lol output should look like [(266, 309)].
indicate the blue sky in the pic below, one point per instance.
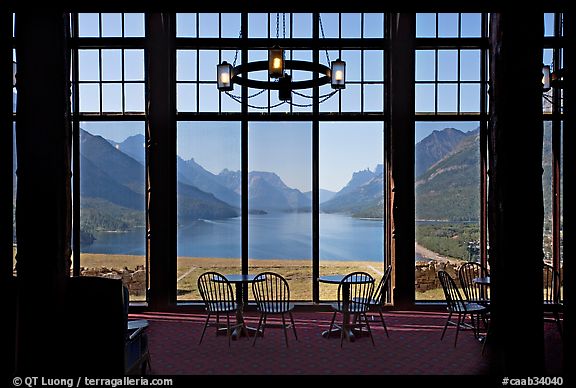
[(282, 147)]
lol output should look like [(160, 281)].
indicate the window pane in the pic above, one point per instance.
[(134, 65), (208, 98), (351, 25), (470, 65), (89, 97), (373, 65), (209, 218), (186, 25), (447, 25), (111, 25), (373, 98), (112, 198), (447, 65), (332, 103), (471, 25), (134, 25), (209, 25), (111, 65), (425, 25), (88, 25), (280, 226), (353, 64), (373, 25), (447, 98), (230, 25), (425, 98), (89, 64), (447, 185), (425, 65), (186, 65), (351, 98), (258, 25), (351, 200), (548, 24), (134, 97), (186, 98), (302, 27), (111, 98), (330, 23), (208, 63), (280, 21), (470, 98)]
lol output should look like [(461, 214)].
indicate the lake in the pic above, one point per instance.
[(271, 236)]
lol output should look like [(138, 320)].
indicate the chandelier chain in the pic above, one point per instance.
[(323, 37)]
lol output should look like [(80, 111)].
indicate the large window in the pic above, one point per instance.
[(279, 202), (450, 84), (109, 154), (351, 200), (209, 202)]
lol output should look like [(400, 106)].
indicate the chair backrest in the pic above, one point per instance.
[(451, 293), (551, 284), (360, 287), (380, 292), (271, 292), (466, 274), (216, 291)]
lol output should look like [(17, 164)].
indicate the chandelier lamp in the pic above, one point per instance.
[(278, 78)]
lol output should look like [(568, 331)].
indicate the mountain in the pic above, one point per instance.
[(266, 191), (325, 195), (133, 146), (113, 190), (448, 189), (357, 198), (436, 146), (192, 173)]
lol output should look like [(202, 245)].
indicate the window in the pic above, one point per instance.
[(209, 202)]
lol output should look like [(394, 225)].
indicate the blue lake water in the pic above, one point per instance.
[(271, 236)]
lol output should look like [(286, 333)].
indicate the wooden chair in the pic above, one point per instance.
[(216, 292), (552, 297), (457, 305), (354, 293), (378, 298), (272, 295), (474, 292)]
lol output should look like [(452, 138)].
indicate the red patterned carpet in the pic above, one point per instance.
[(414, 348)]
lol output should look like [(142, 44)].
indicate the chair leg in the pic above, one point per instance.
[(369, 330), (446, 326), (284, 328), (264, 324), (205, 326), (331, 325), (383, 323), (228, 334), (258, 328), (558, 324), (460, 321), (293, 325), (342, 331)]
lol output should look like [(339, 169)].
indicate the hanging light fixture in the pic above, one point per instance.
[(338, 72), (546, 78), (275, 62), (230, 74), (224, 76)]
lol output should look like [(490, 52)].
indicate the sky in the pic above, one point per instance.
[(283, 147)]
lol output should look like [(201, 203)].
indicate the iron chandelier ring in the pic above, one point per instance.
[(244, 69)]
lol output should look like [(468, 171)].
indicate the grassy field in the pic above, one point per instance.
[(298, 273)]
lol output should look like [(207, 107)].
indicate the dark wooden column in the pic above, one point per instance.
[(569, 170), (515, 200), (401, 155), (44, 213), (161, 157)]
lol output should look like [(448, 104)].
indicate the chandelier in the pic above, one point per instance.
[(229, 74)]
